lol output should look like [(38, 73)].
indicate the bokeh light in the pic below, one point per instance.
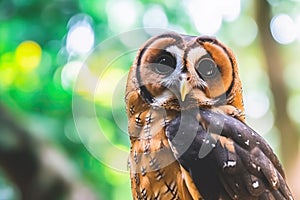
[(69, 74), (246, 27), (122, 15), (230, 9), (28, 55), (155, 17), (283, 29), (207, 16), (257, 104), (80, 38), (207, 20)]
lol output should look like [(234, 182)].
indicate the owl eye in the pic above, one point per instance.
[(164, 64), (207, 68)]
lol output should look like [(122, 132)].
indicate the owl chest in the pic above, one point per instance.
[(154, 171)]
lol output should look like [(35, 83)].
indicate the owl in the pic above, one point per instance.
[(187, 129)]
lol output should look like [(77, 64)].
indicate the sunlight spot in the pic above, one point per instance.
[(80, 39), (247, 28), (155, 17), (69, 74), (122, 15), (257, 104), (230, 9), (208, 19), (28, 55), (283, 29)]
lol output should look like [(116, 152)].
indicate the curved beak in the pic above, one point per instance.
[(185, 88)]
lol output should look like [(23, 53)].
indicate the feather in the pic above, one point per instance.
[(239, 165)]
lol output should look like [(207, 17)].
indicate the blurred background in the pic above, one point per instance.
[(63, 66)]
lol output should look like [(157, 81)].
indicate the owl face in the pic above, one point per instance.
[(179, 72)]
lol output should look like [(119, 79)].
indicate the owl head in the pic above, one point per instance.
[(179, 72)]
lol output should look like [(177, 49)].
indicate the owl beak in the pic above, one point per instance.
[(184, 88)]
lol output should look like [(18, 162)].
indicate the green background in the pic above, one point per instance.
[(63, 122)]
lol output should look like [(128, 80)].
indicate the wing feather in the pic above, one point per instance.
[(226, 158)]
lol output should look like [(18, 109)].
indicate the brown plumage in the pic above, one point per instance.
[(198, 76)]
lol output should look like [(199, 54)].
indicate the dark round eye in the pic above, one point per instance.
[(165, 64), (207, 68)]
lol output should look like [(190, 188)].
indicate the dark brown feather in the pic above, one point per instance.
[(249, 170)]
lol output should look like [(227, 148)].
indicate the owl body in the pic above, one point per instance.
[(177, 77), (154, 172)]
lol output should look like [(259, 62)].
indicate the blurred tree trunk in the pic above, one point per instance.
[(289, 139), (29, 165)]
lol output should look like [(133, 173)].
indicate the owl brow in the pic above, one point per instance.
[(177, 52), (162, 51), (152, 41), (192, 55)]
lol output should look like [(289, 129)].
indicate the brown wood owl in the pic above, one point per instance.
[(186, 126)]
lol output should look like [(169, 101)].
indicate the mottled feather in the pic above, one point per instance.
[(247, 170)]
